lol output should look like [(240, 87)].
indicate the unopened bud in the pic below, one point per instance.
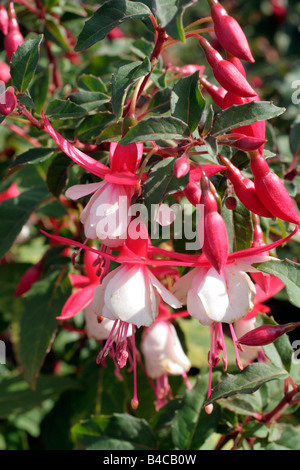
[(266, 334), (8, 101), (209, 409), (4, 20), (181, 167), (231, 203), (4, 72)]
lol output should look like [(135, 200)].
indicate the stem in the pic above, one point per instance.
[(207, 19), (38, 124), (131, 112), (29, 7)]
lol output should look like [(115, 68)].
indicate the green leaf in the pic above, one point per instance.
[(17, 397), (24, 63), (25, 99), (89, 99), (64, 109), (289, 273), (160, 102), (169, 13), (289, 439), (243, 230), (191, 425), (244, 114), (106, 18), (187, 102), (156, 128), (91, 83), (247, 381), (15, 212), (295, 135), (162, 181), (58, 172), (32, 156), (38, 324), (39, 88), (91, 126), (54, 32), (116, 432), (123, 78)]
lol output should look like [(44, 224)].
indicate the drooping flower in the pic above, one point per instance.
[(106, 214), (164, 356)]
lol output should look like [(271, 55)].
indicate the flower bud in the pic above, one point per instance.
[(229, 33), (215, 244), (193, 192), (266, 334), (4, 20), (8, 101), (225, 72), (14, 37), (243, 142), (181, 167), (231, 203), (245, 189), (216, 93), (272, 191), (4, 72), (30, 276)]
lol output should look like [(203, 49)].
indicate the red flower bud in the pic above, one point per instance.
[(217, 93), (266, 334), (256, 129), (4, 72), (8, 101), (225, 72), (192, 192), (229, 33), (14, 37), (4, 20), (215, 244), (236, 62), (181, 167), (243, 142), (245, 190), (271, 190), (31, 276)]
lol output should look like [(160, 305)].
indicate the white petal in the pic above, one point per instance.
[(98, 300), (245, 264), (94, 329), (241, 293), (213, 294), (128, 296), (196, 308), (181, 287), (166, 295), (81, 190)]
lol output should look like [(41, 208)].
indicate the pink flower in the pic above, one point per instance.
[(106, 214)]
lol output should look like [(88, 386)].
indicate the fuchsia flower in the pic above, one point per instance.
[(8, 101), (4, 20), (106, 214), (164, 356), (12, 191)]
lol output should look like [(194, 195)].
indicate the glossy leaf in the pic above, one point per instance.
[(187, 102), (123, 78), (24, 63), (244, 114), (289, 273), (116, 432), (247, 381), (110, 15), (38, 324), (15, 212), (156, 128)]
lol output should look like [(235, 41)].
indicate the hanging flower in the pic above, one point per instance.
[(106, 214), (164, 356)]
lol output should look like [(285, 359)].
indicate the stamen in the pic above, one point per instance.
[(134, 401), (234, 339)]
